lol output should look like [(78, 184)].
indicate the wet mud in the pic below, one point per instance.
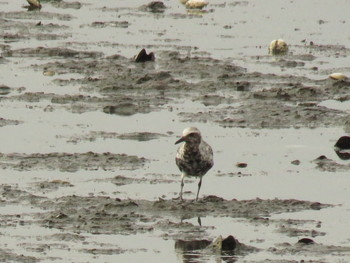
[(234, 98), (98, 215), (230, 96), (70, 162)]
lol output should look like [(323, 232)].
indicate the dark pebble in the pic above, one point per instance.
[(306, 241), (241, 165), (192, 244), (295, 162), (229, 243), (343, 142), (144, 57)]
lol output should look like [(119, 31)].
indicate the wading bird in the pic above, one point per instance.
[(194, 157)]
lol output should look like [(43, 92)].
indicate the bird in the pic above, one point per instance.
[(194, 157)]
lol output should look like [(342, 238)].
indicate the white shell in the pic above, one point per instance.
[(35, 3), (196, 4), (338, 76), (278, 46), (48, 73)]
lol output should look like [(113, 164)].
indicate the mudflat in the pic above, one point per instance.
[(87, 159)]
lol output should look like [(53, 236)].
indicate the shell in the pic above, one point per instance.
[(338, 76), (196, 4), (278, 46), (48, 73), (34, 3)]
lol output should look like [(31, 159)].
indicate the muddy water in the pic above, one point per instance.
[(87, 155)]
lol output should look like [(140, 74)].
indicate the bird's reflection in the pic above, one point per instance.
[(187, 217), (223, 250), (342, 148), (199, 220)]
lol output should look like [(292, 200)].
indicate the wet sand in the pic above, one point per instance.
[(87, 157)]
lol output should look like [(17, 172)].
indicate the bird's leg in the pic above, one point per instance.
[(182, 185), (199, 187), (199, 220)]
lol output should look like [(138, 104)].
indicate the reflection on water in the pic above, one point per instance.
[(342, 147), (223, 250), (190, 251), (343, 154)]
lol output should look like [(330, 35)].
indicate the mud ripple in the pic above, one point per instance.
[(70, 162), (232, 96), (51, 52), (107, 215), (7, 256), (328, 165), (5, 122)]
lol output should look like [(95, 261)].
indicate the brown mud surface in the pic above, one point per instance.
[(78, 215)]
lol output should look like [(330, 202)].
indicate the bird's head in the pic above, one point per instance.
[(190, 135)]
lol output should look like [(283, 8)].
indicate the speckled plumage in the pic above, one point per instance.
[(194, 157)]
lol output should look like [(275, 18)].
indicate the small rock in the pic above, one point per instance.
[(61, 216), (316, 206), (156, 7), (213, 198), (229, 243), (190, 245), (295, 162), (306, 241), (241, 165), (322, 157), (144, 57)]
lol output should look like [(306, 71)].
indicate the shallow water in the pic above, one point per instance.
[(234, 31)]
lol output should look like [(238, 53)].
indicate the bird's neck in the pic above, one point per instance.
[(192, 146)]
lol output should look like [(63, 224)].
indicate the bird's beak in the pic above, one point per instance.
[(180, 140)]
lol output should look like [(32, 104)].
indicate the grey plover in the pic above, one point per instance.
[(194, 157)]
